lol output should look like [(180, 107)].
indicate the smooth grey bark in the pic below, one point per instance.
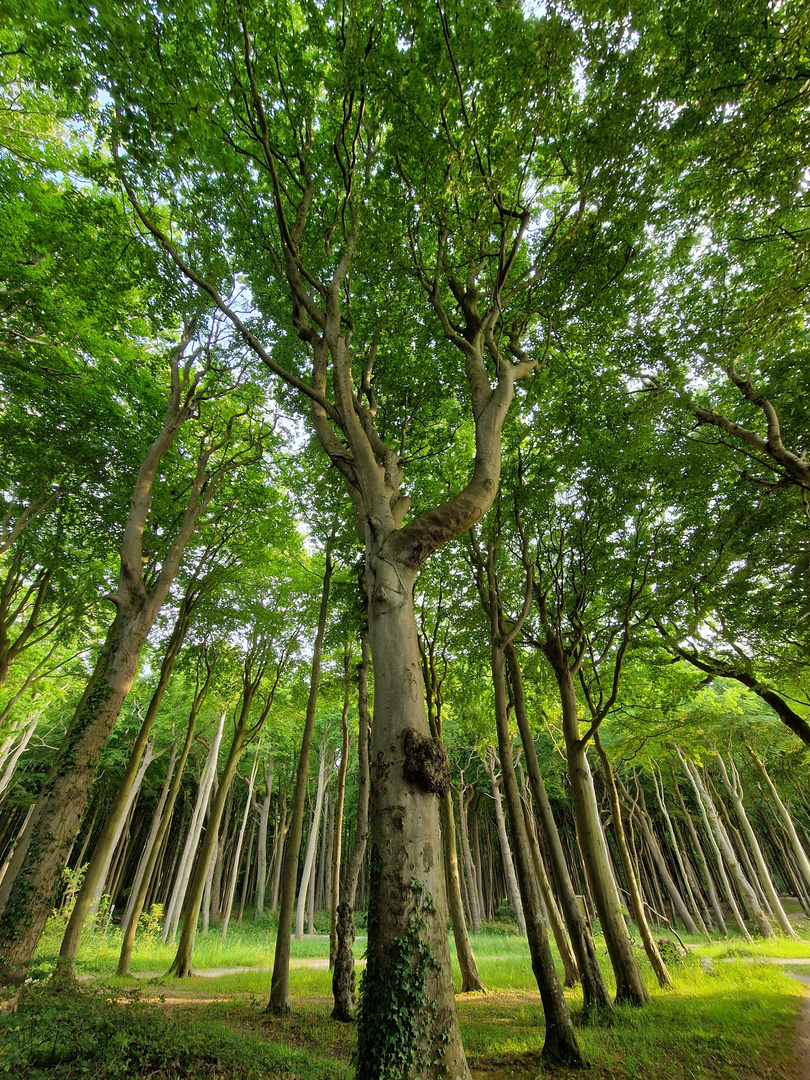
[(733, 786), (711, 892), (252, 676), (280, 982), (261, 842), (634, 891), (507, 862), (658, 784), (654, 848), (560, 1043), (470, 870), (237, 857), (171, 917), (312, 842), (340, 796), (785, 817), (139, 896), (594, 989), (728, 892), (343, 980)]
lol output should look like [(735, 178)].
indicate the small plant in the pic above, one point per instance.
[(72, 880), (150, 924)]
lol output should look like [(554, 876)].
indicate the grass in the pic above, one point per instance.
[(735, 1022)]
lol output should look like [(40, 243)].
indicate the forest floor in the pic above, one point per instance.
[(741, 1019)]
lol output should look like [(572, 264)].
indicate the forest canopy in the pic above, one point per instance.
[(405, 405)]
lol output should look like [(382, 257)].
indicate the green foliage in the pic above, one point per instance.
[(82, 1033)]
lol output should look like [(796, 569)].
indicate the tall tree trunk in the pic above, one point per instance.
[(470, 870), (630, 987), (312, 843), (237, 858), (131, 926), (636, 901), (280, 983), (594, 990), (785, 817), (114, 823), (654, 848), (712, 834), (261, 843), (29, 888), (172, 915), (343, 964), (512, 887), (560, 1046), (735, 792), (658, 783), (252, 676), (719, 918), (340, 796)]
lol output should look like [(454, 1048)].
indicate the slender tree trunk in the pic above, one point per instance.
[(340, 796), (719, 918), (343, 979), (261, 843), (636, 901), (594, 990), (560, 1047), (735, 793), (786, 819), (749, 898), (237, 858), (658, 783), (470, 979), (630, 987), (470, 870), (713, 840), (512, 888), (280, 984), (312, 844), (651, 840), (172, 916), (150, 839)]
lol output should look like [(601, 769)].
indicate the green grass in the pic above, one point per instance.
[(735, 1022)]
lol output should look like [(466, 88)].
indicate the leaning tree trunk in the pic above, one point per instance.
[(636, 900), (508, 863), (171, 918), (785, 817), (711, 891), (560, 1046), (749, 897), (114, 823), (133, 914), (734, 789), (237, 857), (630, 988), (32, 883), (594, 990)]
